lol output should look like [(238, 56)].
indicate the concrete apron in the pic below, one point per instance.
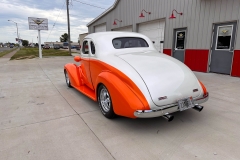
[(41, 118)]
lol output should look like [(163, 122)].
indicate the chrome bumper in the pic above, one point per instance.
[(164, 111)]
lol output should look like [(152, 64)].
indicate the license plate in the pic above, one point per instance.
[(185, 104)]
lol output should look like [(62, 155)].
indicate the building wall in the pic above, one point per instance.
[(81, 37), (198, 17)]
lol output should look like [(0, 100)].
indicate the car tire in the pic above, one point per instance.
[(67, 79), (105, 102)]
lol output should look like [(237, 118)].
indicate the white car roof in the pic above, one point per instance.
[(104, 46)]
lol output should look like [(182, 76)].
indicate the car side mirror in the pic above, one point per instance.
[(77, 58)]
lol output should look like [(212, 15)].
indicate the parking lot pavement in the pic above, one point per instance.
[(40, 118)]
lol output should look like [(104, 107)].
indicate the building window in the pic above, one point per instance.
[(180, 39), (224, 37)]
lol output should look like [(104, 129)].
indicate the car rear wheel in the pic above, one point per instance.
[(105, 102), (67, 79)]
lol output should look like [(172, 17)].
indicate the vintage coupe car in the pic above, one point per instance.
[(129, 77)]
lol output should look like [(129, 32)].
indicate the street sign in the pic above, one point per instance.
[(37, 23)]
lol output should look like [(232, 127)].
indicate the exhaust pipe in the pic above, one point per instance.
[(198, 108), (168, 117)]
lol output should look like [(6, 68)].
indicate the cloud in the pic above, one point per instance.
[(54, 11)]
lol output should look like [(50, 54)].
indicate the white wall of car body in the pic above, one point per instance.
[(155, 31)]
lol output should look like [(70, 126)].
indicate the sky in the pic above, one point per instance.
[(56, 13)]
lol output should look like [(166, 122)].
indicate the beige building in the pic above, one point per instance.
[(81, 37)]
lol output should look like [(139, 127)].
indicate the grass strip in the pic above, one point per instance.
[(28, 53), (6, 52)]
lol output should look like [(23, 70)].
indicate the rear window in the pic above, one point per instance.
[(129, 42)]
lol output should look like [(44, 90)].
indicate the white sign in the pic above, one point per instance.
[(37, 23)]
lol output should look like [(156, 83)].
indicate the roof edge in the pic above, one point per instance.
[(104, 13)]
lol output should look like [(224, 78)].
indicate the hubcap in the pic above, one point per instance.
[(105, 100), (67, 78)]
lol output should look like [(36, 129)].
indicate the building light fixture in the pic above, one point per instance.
[(173, 16), (114, 23), (141, 15)]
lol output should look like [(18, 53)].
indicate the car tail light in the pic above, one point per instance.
[(205, 93)]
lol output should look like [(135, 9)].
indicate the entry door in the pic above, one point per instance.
[(179, 44), (222, 48)]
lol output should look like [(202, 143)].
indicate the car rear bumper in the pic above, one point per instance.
[(164, 111)]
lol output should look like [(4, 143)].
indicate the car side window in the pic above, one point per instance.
[(92, 47), (85, 49)]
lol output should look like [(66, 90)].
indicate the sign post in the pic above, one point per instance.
[(39, 46), (38, 24)]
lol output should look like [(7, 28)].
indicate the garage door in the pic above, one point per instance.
[(124, 29), (100, 28), (155, 31)]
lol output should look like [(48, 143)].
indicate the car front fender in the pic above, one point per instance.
[(73, 74)]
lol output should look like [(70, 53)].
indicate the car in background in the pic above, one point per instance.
[(11, 46), (78, 47), (56, 46), (65, 45), (46, 46)]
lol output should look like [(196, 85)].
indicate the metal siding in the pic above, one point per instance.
[(168, 29), (196, 25), (188, 21), (205, 27), (235, 10), (210, 24), (198, 17), (217, 10), (124, 29), (201, 26), (191, 31), (229, 10), (237, 43)]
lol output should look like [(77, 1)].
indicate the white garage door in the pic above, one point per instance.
[(124, 29), (100, 28), (155, 31)]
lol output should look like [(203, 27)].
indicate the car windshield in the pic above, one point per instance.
[(129, 42)]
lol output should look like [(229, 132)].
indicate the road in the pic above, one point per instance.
[(4, 48)]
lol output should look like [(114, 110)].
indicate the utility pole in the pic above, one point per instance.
[(69, 39)]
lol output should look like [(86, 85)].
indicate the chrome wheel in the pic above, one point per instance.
[(67, 78), (105, 100)]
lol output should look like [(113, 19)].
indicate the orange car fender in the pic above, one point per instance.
[(73, 74), (124, 101)]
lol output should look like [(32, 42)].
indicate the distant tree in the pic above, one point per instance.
[(64, 37), (25, 42)]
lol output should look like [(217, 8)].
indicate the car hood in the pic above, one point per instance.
[(166, 78)]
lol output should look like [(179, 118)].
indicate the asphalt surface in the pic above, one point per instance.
[(4, 49), (41, 118)]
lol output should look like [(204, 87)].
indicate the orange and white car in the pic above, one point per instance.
[(129, 77)]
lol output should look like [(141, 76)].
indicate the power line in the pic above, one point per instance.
[(88, 4), (56, 19)]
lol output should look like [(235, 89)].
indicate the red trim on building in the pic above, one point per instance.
[(236, 64), (197, 60), (167, 52)]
